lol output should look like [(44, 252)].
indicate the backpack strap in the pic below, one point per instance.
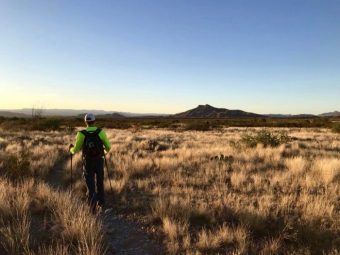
[(84, 132), (98, 130)]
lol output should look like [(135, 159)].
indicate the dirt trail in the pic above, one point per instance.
[(56, 176), (123, 237)]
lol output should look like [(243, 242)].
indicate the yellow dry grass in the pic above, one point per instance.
[(204, 192), (37, 220), (34, 218), (213, 195)]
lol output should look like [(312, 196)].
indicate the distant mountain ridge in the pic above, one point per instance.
[(201, 111), (331, 114), (208, 111), (304, 115), (10, 114), (27, 112), (111, 116)]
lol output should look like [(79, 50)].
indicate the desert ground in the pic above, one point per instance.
[(225, 191)]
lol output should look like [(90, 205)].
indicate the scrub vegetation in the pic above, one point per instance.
[(221, 191), (40, 123)]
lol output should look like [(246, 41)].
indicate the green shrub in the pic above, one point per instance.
[(198, 125), (111, 123), (336, 128), (46, 124), (266, 138)]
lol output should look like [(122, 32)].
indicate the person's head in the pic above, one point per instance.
[(89, 119)]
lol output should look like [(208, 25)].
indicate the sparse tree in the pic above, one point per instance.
[(37, 112)]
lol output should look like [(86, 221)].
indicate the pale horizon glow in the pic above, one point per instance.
[(146, 56)]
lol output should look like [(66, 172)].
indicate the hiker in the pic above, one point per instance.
[(92, 141)]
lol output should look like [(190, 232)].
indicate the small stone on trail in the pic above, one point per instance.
[(107, 211)]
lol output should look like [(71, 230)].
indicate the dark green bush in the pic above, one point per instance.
[(198, 125), (46, 124), (117, 124), (336, 128), (266, 138)]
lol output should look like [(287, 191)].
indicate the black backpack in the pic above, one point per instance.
[(93, 145)]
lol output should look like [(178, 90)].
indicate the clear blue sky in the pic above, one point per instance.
[(171, 55)]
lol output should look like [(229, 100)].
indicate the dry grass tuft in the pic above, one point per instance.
[(326, 170), (38, 220)]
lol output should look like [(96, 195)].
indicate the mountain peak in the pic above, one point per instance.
[(205, 106), (331, 114), (208, 111)]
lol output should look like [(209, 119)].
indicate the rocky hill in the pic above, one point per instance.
[(331, 114), (208, 111)]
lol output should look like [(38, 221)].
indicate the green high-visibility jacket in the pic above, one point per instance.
[(81, 137)]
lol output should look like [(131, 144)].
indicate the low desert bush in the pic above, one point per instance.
[(336, 128), (266, 138), (46, 124), (198, 126)]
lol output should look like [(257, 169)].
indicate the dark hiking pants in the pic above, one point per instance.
[(94, 177)]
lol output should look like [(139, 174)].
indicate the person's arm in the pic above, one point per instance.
[(79, 143), (105, 141)]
